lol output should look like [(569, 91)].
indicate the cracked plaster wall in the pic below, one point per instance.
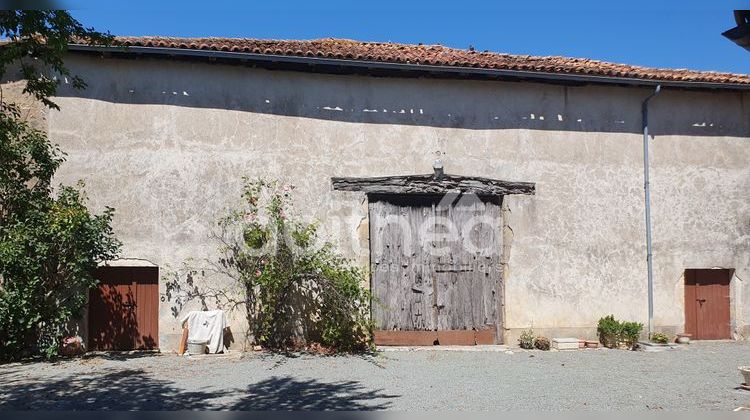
[(166, 144)]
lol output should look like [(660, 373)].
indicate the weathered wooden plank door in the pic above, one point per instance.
[(467, 264), (707, 314), (402, 279), (435, 269), (124, 309)]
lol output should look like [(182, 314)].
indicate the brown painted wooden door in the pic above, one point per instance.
[(124, 309), (435, 266), (707, 304)]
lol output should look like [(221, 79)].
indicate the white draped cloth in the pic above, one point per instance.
[(207, 326)]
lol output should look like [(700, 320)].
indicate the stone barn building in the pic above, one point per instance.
[(551, 148)]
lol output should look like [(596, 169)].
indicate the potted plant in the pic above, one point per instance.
[(631, 332), (541, 343), (592, 344), (72, 346), (609, 330), (659, 338), (613, 333), (526, 340)]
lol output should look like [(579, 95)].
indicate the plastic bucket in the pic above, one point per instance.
[(196, 346)]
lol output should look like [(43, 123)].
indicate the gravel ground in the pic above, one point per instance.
[(700, 376)]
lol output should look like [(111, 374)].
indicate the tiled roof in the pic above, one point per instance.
[(435, 55)]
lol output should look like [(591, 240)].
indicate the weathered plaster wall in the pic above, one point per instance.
[(32, 110), (166, 144)]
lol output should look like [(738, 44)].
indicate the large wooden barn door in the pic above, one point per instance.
[(124, 309), (707, 315), (435, 264)]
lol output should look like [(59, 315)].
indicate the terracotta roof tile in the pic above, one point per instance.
[(435, 55)]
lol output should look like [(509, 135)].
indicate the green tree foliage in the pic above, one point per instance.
[(49, 241), (47, 254), (297, 291), (38, 42)]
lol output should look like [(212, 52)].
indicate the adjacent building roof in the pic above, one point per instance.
[(434, 56), (740, 34)]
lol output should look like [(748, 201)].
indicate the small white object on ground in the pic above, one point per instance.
[(565, 343)]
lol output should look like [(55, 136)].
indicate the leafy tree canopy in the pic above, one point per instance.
[(36, 42), (49, 242)]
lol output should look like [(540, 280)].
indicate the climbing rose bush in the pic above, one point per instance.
[(296, 289)]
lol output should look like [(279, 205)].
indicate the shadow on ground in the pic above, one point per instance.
[(134, 389), (278, 359), (130, 389), (290, 394), (121, 356)]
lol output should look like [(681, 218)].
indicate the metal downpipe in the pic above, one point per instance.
[(647, 191)]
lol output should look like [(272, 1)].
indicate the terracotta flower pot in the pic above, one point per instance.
[(72, 349), (592, 344)]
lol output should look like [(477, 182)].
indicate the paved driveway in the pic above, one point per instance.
[(702, 376)]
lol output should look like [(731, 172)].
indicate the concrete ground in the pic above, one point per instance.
[(700, 376)]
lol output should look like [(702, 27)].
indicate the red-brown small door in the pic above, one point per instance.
[(707, 304), (124, 309)]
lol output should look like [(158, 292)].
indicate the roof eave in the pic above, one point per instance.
[(434, 70), (739, 35)]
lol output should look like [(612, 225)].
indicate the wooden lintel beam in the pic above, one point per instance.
[(429, 184)]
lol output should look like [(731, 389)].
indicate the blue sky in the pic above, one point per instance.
[(657, 33)]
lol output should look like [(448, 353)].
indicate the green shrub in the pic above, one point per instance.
[(296, 290), (631, 332), (48, 252), (541, 343), (609, 330), (658, 337), (526, 340), (614, 333)]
